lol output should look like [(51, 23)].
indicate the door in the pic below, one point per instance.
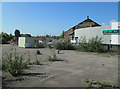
[(76, 39)]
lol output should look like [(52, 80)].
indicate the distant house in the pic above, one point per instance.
[(86, 23)]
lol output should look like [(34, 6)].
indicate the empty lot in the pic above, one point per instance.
[(76, 67)]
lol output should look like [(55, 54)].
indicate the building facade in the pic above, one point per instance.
[(85, 24), (110, 35), (92, 32)]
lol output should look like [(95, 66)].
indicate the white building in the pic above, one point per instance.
[(109, 37), (115, 38)]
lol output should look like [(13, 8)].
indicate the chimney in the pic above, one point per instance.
[(87, 17)]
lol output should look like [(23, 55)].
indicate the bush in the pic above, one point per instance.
[(40, 45), (83, 45), (93, 45), (66, 45), (14, 64)]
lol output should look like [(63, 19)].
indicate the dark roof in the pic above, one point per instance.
[(89, 20)]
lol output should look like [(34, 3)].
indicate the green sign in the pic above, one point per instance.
[(110, 31)]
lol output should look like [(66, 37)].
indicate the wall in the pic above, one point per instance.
[(93, 32), (66, 34), (114, 25), (115, 39)]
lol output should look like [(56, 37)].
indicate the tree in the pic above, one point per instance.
[(17, 34), (62, 35), (26, 35), (5, 37), (48, 36)]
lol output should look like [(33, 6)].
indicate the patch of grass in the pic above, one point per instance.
[(14, 64), (38, 52), (101, 85)]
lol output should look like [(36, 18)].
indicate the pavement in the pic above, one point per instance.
[(76, 67)]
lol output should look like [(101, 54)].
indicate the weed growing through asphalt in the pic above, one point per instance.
[(14, 64), (101, 85), (28, 58), (58, 51), (37, 62), (38, 52), (52, 58)]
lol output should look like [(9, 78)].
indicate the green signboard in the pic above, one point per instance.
[(110, 31)]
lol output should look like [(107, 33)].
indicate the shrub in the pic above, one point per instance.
[(93, 45), (66, 45), (14, 64), (40, 45), (38, 52), (83, 45)]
